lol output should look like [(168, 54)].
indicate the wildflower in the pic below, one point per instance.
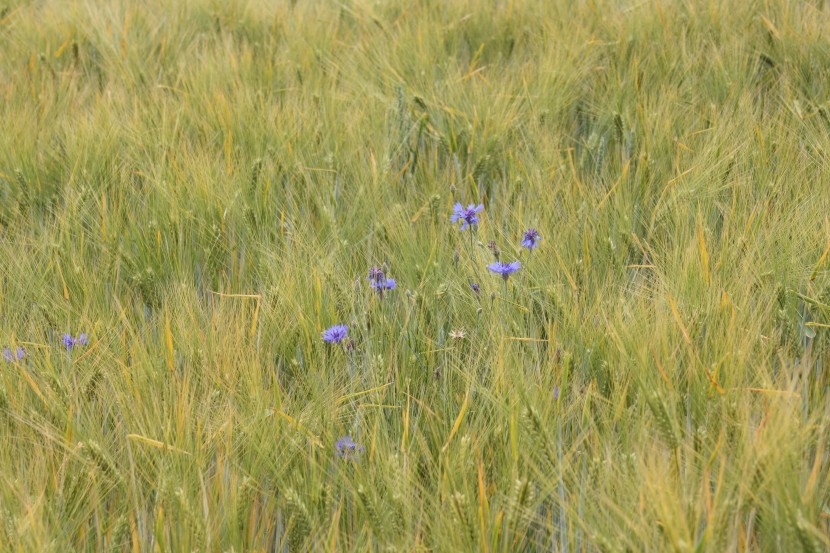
[(347, 449), (388, 284), (16, 355), (504, 269), (466, 216), (335, 334), (379, 282), (71, 342), (531, 239), (458, 334), (556, 392), (376, 274), (476, 288)]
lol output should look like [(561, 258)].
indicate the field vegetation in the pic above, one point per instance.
[(192, 192)]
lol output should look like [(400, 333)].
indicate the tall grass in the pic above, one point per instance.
[(202, 186)]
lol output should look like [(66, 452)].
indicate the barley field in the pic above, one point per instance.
[(415, 275)]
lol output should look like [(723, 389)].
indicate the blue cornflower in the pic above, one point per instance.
[(504, 269), (347, 449), (379, 282), (16, 355), (476, 288), (335, 334), (71, 342), (376, 274), (388, 284), (531, 239), (466, 216)]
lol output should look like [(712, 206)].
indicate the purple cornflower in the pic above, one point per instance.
[(71, 342), (556, 392), (531, 239), (376, 274), (476, 288), (12, 356), (335, 334), (504, 269), (347, 449), (379, 282), (466, 216), (388, 284)]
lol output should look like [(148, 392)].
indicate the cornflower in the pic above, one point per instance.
[(71, 342), (13, 356), (347, 449), (335, 334), (378, 281), (504, 269), (467, 216), (531, 239)]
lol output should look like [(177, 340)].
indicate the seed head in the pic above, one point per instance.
[(491, 245)]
